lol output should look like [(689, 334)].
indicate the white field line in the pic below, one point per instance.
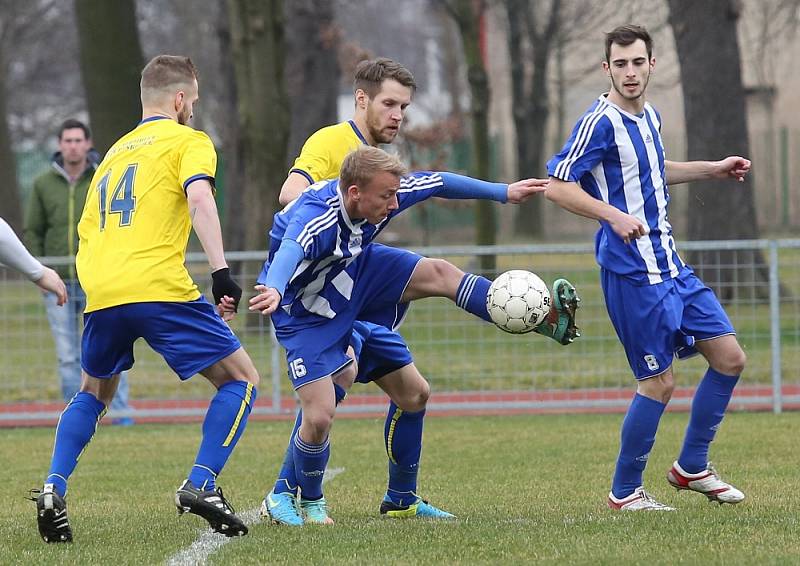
[(209, 541)]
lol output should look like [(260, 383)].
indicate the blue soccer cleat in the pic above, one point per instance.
[(420, 508), (316, 511), (282, 509)]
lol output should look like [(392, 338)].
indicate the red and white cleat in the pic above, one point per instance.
[(639, 500), (706, 482)]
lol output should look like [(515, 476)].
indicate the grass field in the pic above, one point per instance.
[(525, 488)]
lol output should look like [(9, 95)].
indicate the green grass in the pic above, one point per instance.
[(525, 488)]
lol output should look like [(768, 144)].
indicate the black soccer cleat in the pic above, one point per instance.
[(51, 515), (211, 506)]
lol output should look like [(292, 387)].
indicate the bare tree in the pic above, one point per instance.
[(258, 52), (312, 70), (708, 50), (468, 15), (19, 25), (532, 36), (9, 189), (111, 63)]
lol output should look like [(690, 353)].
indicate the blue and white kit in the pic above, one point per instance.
[(657, 304), (336, 274)]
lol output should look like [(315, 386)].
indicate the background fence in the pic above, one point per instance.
[(471, 365)]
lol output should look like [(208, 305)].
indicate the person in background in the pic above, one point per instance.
[(51, 222)]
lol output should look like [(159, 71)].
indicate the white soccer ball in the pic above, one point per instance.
[(518, 301)]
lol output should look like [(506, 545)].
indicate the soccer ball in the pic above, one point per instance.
[(518, 301)]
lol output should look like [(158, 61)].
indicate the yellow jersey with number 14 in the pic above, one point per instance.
[(135, 225)]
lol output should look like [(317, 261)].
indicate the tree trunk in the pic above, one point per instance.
[(111, 64), (468, 19), (708, 51), (533, 104), (233, 227), (11, 210), (257, 41), (312, 69)]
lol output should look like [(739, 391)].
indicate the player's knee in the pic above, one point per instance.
[(316, 425), (415, 399), (734, 363), (659, 387)]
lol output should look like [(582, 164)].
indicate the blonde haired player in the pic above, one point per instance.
[(154, 185)]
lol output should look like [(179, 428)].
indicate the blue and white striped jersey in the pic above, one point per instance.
[(618, 157), (331, 241)]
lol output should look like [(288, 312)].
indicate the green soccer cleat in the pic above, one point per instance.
[(316, 511), (419, 509), (560, 322)]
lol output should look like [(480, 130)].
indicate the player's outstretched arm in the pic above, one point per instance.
[(732, 167), (571, 197), (523, 190), (205, 221), (271, 288), (292, 188), (14, 254), (50, 281)]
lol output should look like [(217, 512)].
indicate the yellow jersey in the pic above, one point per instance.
[(323, 153), (135, 225)]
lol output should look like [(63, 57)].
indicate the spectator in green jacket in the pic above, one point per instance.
[(51, 222)]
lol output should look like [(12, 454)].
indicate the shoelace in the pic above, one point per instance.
[(225, 501), (713, 471), (33, 494), (650, 499)]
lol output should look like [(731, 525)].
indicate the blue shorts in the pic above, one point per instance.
[(656, 323), (189, 336), (316, 347), (378, 350)]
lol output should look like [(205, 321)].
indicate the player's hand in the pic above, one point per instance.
[(628, 227), (523, 190), (267, 300), (50, 281), (732, 167), (223, 286), (226, 308)]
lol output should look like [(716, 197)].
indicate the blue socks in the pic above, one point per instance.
[(636, 440), (708, 408), (471, 295), (225, 421), (287, 480), (310, 461), (75, 429), (403, 434)]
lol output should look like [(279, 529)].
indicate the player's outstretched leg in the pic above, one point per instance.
[(51, 515), (560, 323), (223, 426), (75, 430)]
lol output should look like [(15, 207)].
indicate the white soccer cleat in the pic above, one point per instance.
[(706, 482), (639, 500)]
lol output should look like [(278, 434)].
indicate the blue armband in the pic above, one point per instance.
[(283, 264), (462, 187)]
